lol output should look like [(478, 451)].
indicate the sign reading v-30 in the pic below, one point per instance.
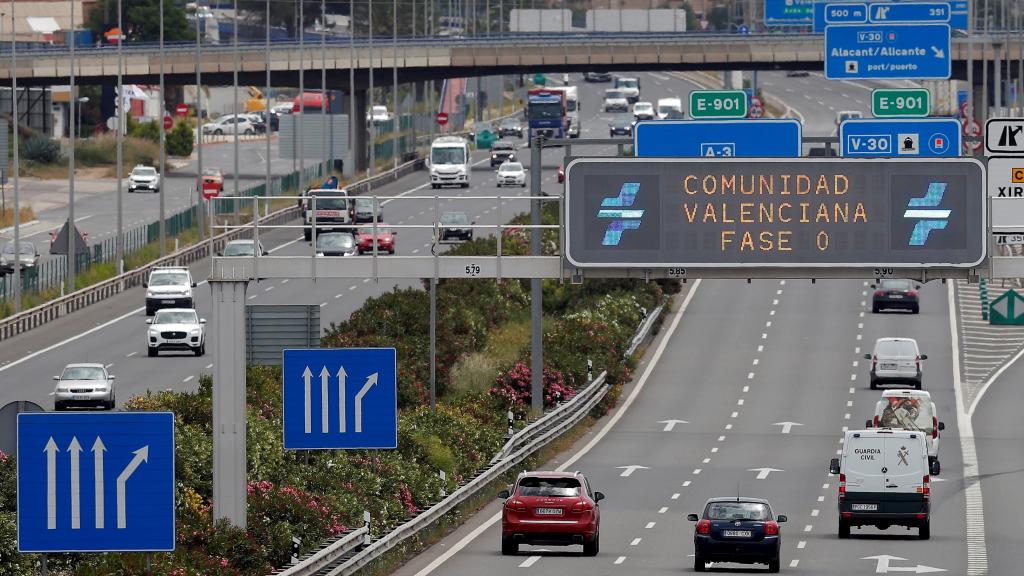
[(96, 482), (340, 398), (908, 51)]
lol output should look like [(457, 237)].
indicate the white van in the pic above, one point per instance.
[(449, 162), (667, 105), (883, 481), (911, 410)]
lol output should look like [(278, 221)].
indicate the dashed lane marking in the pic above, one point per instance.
[(721, 438), (675, 496), (663, 509), (808, 528), (208, 366), (707, 460), (794, 562), (635, 541), (529, 561), (322, 304), (187, 379), (620, 560), (801, 544), (686, 484), (131, 354), (696, 471), (650, 525), (336, 296)]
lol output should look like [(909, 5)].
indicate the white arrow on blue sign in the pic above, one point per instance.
[(907, 51), (96, 482), (343, 398)]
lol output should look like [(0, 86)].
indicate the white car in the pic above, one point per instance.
[(144, 178), (168, 287), (229, 124), (511, 174), (669, 107), (643, 111), (615, 100), (84, 385), (176, 329), (378, 114)]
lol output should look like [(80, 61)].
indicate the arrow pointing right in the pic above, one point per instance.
[(939, 53), (787, 426), (670, 424), (141, 455), (883, 560), (370, 382)]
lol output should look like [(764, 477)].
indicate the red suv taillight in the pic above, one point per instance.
[(842, 487), (582, 506), (515, 505), (935, 426), (874, 362), (926, 490), (912, 293), (704, 526), (771, 528), (917, 360), (879, 292)]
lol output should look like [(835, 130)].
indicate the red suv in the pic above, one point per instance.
[(551, 508)]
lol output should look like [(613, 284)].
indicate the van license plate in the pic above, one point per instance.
[(886, 366), (736, 533), (864, 507), (548, 511)]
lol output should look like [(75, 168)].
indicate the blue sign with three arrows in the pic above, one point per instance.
[(908, 51), (91, 482), (340, 398)]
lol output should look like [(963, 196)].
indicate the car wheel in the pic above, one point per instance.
[(218, 132), (773, 565), (509, 547), (248, 132), (149, 311), (109, 405), (307, 235), (499, 185), (917, 385), (593, 547), (934, 468), (915, 310), (925, 531), (199, 351), (58, 406), (844, 529), (434, 186), (875, 309), (698, 564)]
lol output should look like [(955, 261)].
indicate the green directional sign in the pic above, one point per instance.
[(900, 103), (718, 104), (1007, 310), (539, 79)]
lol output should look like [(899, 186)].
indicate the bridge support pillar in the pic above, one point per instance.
[(360, 149), (229, 426)]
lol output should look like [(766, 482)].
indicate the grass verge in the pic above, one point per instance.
[(7, 216)]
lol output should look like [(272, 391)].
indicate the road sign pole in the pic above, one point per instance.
[(229, 427), (536, 291)]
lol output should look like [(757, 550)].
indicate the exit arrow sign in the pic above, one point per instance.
[(900, 103), (706, 104)]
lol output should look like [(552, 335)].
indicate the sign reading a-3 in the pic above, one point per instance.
[(767, 138), (815, 213), (918, 51), (912, 138), (788, 12)]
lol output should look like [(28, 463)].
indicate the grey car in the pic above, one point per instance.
[(336, 244), (28, 255), (84, 385), (364, 210), (896, 360), (243, 248)]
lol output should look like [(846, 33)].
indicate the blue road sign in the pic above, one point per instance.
[(340, 398), (908, 51), (920, 138), (788, 12), (767, 138), (955, 13), (96, 482)]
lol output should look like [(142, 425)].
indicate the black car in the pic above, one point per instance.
[(797, 73), (620, 127), (739, 530), (597, 77), (895, 294), (510, 127), (502, 152), (451, 229), (821, 151)]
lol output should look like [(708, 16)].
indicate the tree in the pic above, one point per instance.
[(141, 20), (179, 140)]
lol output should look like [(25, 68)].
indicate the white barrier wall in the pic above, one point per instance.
[(661, 20)]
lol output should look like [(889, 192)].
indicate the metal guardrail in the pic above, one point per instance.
[(328, 554), (515, 450), (54, 309)]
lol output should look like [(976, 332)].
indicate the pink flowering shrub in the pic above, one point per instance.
[(512, 387)]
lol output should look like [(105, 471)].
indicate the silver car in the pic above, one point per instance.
[(27, 254), (364, 210), (896, 360), (84, 385)]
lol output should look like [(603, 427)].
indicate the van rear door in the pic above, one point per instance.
[(865, 481), (906, 465)]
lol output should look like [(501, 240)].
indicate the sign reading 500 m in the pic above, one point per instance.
[(654, 213)]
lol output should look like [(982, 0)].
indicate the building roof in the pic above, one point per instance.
[(35, 20)]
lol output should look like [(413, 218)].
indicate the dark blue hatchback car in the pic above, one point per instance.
[(739, 530)]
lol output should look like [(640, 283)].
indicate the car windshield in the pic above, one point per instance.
[(324, 202), (510, 123), (511, 167), (570, 105), (334, 242), (892, 348), (380, 110), (551, 487), (622, 122), (82, 373), (144, 172), (738, 511), (451, 155), (368, 230), (176, 317), (610, 94), (168, 279), (665, 108), (211, 172), (642, 107), (545, 110), (454, 218), (24, 248), (365, 203), (239, 249), (895, 285), (627, 83)]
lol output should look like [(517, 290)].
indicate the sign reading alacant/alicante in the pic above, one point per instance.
[(680, 212)]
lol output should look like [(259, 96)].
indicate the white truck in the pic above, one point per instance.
[(572, 108), (449, 162)]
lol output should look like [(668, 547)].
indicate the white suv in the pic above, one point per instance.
[(144, 178), (176, 329), (168, 287)]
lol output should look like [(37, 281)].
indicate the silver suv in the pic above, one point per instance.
[(896, 360)]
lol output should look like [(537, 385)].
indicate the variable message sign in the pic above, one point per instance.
[(713, 212)]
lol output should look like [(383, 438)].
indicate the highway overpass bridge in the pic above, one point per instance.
[(420, 59)]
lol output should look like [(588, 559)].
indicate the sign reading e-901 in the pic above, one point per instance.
[(680, 212)]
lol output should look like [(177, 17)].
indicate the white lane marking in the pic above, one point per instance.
[(782, 282), (131, 354), (675, 496), (815, 512), (775, 302), (808, 528), (801, 544), (353, 287), (779, 291), (208, 366), (109, 365), (285, 281), (768, 324), (764, 336), (771, 312), (714, 450), (746, 389), (707, 460), (686, 484), (268, 288), (696, 471), (846, 416), (760, 347), (650, 525), (416, 251), (852, 390), (365, 280), (750, 376), (825, 486), (721, 438), (993, 378), (821, 498), (977, 550), (336, 296), (856, 350), (728, 426), (734, 414), (849, 403), (187, 379), (529, 561), (252, 297), (794, 562), (756, 361), (663, 509), (739, 402), (322, 304), (855, 363), (486, 525), (635, 541)]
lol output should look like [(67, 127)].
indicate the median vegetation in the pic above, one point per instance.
[(483, 370)]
